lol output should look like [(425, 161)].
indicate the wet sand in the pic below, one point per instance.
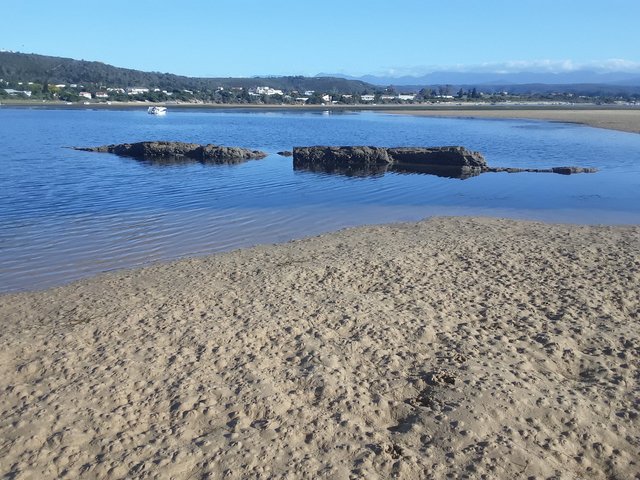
[(625, 120), (460, 347)]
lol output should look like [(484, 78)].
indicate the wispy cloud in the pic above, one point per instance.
[(517, 66)]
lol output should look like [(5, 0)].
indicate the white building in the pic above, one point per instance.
[(406, 97), (11, 91), (367, 98), (102, 95), (268, 91), (85, 95), (137, 90)]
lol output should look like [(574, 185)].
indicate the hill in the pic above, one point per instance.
[(28, 67)]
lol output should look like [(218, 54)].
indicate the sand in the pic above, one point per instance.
[(625, 120), (622, 118), (448, 348)]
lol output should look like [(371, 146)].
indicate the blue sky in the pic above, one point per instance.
[(282, 37)]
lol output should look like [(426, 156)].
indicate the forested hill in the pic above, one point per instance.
[(28, 67)]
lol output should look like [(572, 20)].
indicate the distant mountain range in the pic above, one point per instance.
[(518, 78), (28, 67)]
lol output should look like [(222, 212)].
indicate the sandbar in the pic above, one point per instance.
[(624, 120), (447, 348)]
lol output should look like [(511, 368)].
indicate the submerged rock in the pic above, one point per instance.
[(285, 153), (572, 170), (560, 170), (179, 151)]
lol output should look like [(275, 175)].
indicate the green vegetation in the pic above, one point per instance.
[(40, 77)]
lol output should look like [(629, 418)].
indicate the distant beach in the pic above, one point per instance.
[(622, 118), (625, 120), (447, 347)]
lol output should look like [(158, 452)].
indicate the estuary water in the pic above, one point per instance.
[(66, 214)]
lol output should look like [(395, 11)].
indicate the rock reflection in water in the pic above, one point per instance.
[(460, 173)]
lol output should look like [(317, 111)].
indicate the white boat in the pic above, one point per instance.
[(157, 110)]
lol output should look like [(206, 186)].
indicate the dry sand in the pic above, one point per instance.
[(625, 120), (449, 348)]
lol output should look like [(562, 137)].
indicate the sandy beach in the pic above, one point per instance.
[(624, 120), (447, 348)]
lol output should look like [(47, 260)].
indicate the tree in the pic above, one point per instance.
[(426, 93)]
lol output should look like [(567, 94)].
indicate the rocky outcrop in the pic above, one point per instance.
[(285, 153), (438, 156), (456, 162), (327, 157), (179, 151), (452, 162), (560, 170)]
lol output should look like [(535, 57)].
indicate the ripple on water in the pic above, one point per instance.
[(66, 214)]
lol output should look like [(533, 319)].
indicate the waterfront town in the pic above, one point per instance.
[(89, 93)]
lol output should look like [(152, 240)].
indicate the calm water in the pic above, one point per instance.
[(66, 214)]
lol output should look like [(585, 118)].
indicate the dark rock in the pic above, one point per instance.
[(452, 162), (438, 156), (572, 170), (285, 153), (343, 157), (560, 170), (179, 151), (363, 156)]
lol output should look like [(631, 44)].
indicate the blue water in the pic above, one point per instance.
[(66, 214)]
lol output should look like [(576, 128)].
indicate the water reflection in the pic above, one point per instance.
[(66, 214), (460, 173)]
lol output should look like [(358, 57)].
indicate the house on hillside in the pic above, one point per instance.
[(268, 91), (137, 90), (11, 91), (85, 95)]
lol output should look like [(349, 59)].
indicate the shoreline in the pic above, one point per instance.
[(408, 350), (624, 118)]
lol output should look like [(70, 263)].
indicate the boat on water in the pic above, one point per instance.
[(157, 110)]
